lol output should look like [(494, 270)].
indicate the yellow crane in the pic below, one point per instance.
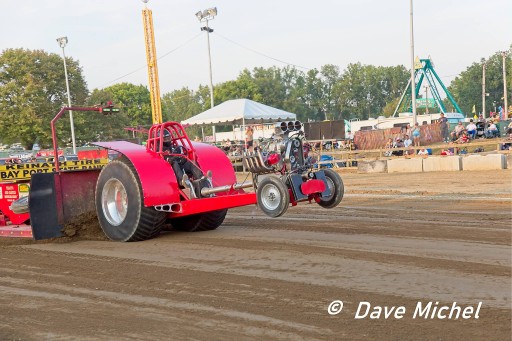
[(154, 85)]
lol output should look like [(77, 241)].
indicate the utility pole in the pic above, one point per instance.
[(413, 85), (426, 99), (483, 88), (504, 55)]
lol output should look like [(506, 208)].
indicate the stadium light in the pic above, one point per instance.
[(63, 41), (205, 16)]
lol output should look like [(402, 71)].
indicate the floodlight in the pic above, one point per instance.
[(212, 11), (62, 41)]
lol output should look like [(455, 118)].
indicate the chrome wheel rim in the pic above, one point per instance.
[(114, 202), (330, 185), (270, 197)]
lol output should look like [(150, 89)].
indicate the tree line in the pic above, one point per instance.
[(33, 89)]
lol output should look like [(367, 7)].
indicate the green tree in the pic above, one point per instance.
[(466, 88), (243, 87), (32, 91), (331, 77), (366, 90), (178, 105), (314, 96), (134, 101), (100, 127)]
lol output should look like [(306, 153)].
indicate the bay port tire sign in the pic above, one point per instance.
[(24, 171)]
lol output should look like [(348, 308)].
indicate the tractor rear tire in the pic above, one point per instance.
[(335, 184), (120, 207), (199, 222), (273, 196)]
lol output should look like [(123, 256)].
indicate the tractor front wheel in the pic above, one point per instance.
[(335, 184), (120, 207), (273, 196)]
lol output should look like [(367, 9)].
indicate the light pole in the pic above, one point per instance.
[(413, 85), (426, 99), (62, 43), (505, 112), (483, 88), (205, 16)]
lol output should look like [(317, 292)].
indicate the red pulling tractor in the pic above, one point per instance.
[(173, 181)]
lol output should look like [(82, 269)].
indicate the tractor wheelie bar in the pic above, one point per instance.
[(175, 182)]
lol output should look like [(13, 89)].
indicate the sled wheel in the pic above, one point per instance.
[(119, 205), (335, 184), (273, 196), (199, 222)]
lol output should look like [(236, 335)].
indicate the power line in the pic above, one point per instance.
[(261, 54), (161, 57)]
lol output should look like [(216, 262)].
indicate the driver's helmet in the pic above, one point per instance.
[(167, 136)]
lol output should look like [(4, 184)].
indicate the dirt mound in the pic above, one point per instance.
[(84, 227)]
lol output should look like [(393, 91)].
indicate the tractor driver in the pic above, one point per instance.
[(189, 175)]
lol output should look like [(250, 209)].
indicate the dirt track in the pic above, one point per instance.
[(395, 240)]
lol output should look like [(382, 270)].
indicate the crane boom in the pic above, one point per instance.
[(154, 85)]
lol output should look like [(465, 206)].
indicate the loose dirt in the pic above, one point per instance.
[(395, 240)]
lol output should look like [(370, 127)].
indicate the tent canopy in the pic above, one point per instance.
[(239, 111)]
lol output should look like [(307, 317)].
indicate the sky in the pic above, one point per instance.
[(106, 36)]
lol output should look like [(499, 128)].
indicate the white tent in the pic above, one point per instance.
[(241, 112)]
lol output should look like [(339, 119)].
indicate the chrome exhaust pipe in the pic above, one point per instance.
[(205, 191), (172, 208)]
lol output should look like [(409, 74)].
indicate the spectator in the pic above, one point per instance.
[(446, 152), (464, 138), (350, 145), (496, 121), (443, 122), (408, 130), (389, 143), (388, 147), (509, 128), (416, 134), (398, 144), (249, 138), (237, 151), (506, 146), (471, 129), (423, 152), (227, 146), (428, 134), (407, 141), (457, 132), (197, 139), (492, 130), (349, 135)]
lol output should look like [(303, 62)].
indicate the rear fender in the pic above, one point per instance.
[(159, 184), (212, 158)]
